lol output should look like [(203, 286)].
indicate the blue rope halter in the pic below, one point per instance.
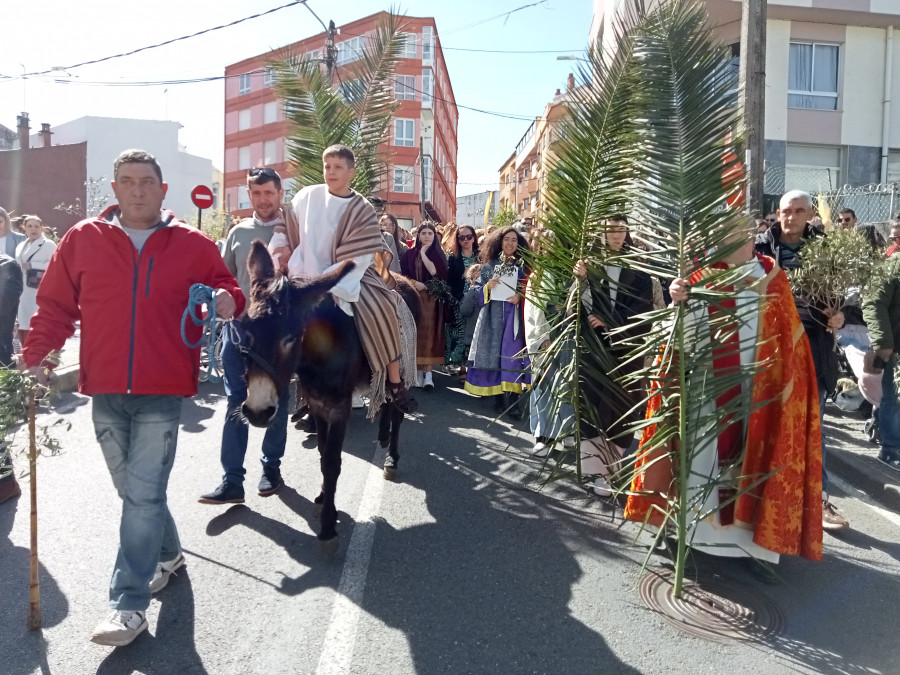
[(199, 295)]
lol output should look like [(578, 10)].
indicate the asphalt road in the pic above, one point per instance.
[(467, 564)]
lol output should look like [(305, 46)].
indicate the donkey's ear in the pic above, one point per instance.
[(260, 264), (313, 291)]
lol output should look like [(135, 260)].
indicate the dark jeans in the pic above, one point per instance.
[(7, 321), (235, 433), (889, 416)]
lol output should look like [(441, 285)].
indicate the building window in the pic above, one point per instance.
[(269, 77), (350, 50), (893, 175), (244, 157), (405, 87), (408, 48), (405, 224), (244, 119), (352, 91), (426, 178), (243, 197), (314, 55), (244, 84), (427, 87), (404, 179), (405, 133), (427, 44), (270, 112), (270, 150), (813, 76), (812, 168), (527, 204)]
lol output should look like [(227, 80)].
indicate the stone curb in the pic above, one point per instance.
[(867, 474), (65, 379)]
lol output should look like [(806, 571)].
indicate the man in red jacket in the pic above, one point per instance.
[(126, 275)]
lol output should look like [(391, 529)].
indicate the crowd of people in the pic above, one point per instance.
[(480, 323)]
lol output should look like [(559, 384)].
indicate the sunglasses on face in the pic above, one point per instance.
[(265, 171), (465, 237), (895, 238), (771, 220), (847, 220)]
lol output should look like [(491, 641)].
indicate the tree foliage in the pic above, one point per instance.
[(353, 107), (649, 127)]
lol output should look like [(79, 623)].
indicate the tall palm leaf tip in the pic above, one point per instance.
[(320, 116)]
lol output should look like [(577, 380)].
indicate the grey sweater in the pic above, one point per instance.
[(237, 249)]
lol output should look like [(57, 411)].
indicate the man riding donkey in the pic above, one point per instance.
[(334, 224)]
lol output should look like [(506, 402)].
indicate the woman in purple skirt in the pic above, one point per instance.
[(498, 364)]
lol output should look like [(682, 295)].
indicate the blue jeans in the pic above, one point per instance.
[(235, 432), (822, 394), (889, 416), (138, 435)]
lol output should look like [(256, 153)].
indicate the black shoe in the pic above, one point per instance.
[(270, 482), (501, 402), (890, 461), (226, 493)]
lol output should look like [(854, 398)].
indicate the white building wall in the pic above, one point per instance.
[(863, 86), (107, 136), (778, 39)]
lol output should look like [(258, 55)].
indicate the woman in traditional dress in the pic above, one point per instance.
[(422, 264), (33, 256), (613, 296), (393, 239), (498, 364), (463, 253)]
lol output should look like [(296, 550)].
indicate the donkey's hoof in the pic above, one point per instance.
[(329, 546)]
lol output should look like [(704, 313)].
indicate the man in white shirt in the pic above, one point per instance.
[(336, 224)]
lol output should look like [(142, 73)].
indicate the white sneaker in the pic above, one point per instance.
[(357, 401), (602, 488), (428, 381), (569, 442), (163, 571), (420, 378), (540, 449), (120, 629)]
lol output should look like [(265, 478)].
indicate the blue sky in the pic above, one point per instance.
[(64, 33)]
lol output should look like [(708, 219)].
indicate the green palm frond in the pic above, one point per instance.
[(649, 133), (354, 107)]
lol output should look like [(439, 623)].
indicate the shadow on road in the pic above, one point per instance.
[(170, 649), (24, 651)]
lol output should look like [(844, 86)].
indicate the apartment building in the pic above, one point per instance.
[(832, 114), (476, 209), (523, 177), (422, 145)]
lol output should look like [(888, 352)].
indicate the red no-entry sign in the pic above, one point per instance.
[(202, 197)]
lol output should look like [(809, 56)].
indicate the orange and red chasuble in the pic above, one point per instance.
[(783, 436)]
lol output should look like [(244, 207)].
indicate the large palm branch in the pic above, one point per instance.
[(647, 136), (353, 107)]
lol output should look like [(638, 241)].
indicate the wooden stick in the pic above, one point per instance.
[(34, 610)]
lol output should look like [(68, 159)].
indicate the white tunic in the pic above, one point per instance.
[(707, 532), (318, 214)]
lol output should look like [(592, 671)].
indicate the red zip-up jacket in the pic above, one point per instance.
[(130, 305)]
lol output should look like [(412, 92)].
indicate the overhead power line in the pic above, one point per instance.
[(293, 3)]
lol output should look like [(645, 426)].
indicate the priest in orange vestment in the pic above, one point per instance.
[(776, 462)]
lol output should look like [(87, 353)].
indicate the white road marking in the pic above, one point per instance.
[(860, 496), (340, 638)]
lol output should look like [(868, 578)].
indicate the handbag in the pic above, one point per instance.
[(32, 276)]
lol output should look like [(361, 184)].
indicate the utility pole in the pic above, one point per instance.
[(752, 94), (422, 177), (330, 50)]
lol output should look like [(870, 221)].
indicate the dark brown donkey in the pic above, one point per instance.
[(295, 327)]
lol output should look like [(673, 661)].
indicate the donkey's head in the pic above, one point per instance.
[(278, 314)]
